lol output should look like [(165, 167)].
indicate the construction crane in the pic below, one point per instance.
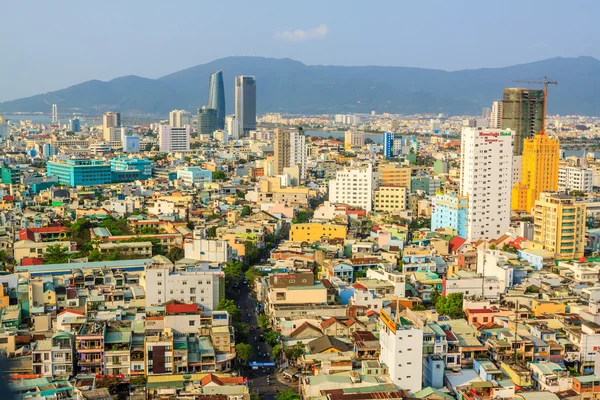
[(545, 82)]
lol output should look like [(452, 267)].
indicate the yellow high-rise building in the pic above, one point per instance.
[(539, 171), (559, 225)]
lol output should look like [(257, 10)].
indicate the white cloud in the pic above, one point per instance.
[(300, 35)]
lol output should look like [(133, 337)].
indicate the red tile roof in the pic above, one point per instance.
[(69, 310), (456, 243)]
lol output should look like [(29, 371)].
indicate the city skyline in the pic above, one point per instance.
[(324, 38)]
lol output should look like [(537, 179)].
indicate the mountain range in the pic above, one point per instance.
[(285, 85)]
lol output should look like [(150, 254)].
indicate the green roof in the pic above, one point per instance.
[(587, 378), (428, 391), (85, 265)]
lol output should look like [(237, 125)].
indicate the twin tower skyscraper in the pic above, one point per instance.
[(245, 101)]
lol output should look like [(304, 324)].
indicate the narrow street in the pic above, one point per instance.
[(257, 378)]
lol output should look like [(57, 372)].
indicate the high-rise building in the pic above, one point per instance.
[(290, 150), (496, 115), (207, 120), (232, 127), (114, 134), (111, 120), (180, 118), (245, 103), (172, 139), (401, 342), (54, 114), (354, 186), (572, 177), (449, 210), (388, 145), (216, 97), (559, 225), (4, 129), (354, 138), (75, 125), (539, 171), (523, 113), (486, 158)]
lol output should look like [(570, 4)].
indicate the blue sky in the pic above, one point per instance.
[(47, 45)]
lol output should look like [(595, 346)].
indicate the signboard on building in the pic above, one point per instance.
[(387, 320)]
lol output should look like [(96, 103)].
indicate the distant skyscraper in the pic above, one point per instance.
[(207, 120), (388, 144), (216, 97), (75, 125), (523, 112), (111, 120), (245, 103), (180, 118), (496, 115), (54, 114), (232, 127)]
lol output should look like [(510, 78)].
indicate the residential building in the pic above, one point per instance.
[(113, 134), (245, 104), (539, 171), (401, 342), (194, 176), (216, 97), (207, 250), (90, 347), (180, 118), (354, 186), (522, 113), (200, 285), (11, 175), (390, 199), (159, 352), (575, 178), (54, 357), (232, 127), (207, 120), (111, 120), (142, 166), (559, 225), (394, 175), (171, 139), (354, 138), (315, 232), (290, 150), (485, 177), (450, 210)]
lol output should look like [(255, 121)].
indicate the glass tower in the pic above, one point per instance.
[(216, 97), (245, 103)]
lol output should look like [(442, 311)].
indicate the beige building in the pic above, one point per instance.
[(354, 138), (559, 225), (394, 175), (29, 248), (390, 198)]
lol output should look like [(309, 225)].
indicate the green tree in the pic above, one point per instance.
[(240, 194), (116, 226), (369, 141), (107, 382), (509, 249), (272, 338), (255, 396), (263, 322), (80, 231), (253, 253), (450, 305), (294, 352), (359, 274), (211, 232), (244, 352), (252, 274), (175, 254), (148, 230), (577, 193), (287, 394), (246, 210), (218, 176), (229, 306), (276, 351), (233, 271), (188, 159), (56, 254), (300, 218)]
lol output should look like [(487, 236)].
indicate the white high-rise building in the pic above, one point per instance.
[(180, 118), (354, 186), (486, 161), (232, 127), (171, 139), (575, 178), (496, 115), (114, 134), (290, 150), (402, 351), (4, 129)]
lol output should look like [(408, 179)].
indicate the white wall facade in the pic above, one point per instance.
[(354, 186), (172, 139), (208, 250), (486, 178), (575, 178)]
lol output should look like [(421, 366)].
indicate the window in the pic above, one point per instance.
[(192, 290), (193, 299), (192, 323), (184, 283)]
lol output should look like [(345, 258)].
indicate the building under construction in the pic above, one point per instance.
[(523, 112)]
